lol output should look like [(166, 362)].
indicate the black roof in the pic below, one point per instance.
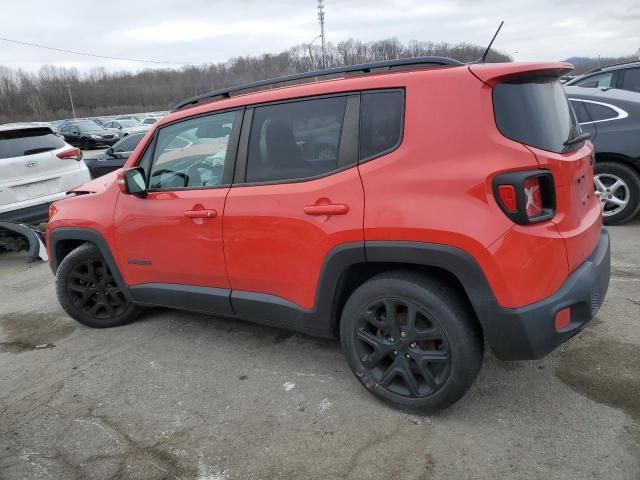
[(427, 62)]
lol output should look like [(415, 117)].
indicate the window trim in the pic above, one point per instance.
[(232, 150), (402, 123), (351, 115), (620, 112)]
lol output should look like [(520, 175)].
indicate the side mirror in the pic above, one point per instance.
[(135, 182)]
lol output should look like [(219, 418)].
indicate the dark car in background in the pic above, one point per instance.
[(87, 134), (612, 117), (624, 76), (113, 157)]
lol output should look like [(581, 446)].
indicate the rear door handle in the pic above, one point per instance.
[(200, 213), (330, 209)]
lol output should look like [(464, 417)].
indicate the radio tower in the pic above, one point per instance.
[(321, 20)]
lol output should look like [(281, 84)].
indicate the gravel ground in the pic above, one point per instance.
[(184, 396)]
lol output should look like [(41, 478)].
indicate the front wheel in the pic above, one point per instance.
[(411, 341), (88, 292), (85, 144), (618, 187)]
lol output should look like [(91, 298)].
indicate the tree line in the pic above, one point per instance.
[(44, 95)]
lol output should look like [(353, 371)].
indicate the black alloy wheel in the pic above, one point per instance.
[(402, 349)]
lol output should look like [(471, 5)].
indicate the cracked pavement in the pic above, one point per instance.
[(177, 395)]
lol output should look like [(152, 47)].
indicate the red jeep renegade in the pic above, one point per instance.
[(414, 209)]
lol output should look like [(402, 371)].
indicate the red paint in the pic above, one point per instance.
[(436, 187)]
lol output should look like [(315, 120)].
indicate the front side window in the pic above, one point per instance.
[(380, 122), (192, 153), (602, 80), (295, 140)]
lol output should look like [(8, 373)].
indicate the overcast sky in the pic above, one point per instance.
[(201, 31)]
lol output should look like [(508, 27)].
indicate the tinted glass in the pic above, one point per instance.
[(597, 81), (381, 122), (600, 112), (192, 153), (631, 80), (535, 112), (28, 142), (295, 140), (127, 144), (580, 111)]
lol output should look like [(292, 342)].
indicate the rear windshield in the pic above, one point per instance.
[(19, 143), (536, 112)]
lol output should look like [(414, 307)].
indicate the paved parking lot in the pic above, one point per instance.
[(186, 396)]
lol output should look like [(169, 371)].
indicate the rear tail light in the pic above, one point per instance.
[(526, 197), (71, 154)]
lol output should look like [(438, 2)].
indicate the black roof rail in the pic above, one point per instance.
[(362, 68), (612, 65)]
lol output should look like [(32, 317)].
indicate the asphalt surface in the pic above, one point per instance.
[(184, 396)]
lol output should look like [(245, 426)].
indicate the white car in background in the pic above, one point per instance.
[(125, 127), (36, 168)]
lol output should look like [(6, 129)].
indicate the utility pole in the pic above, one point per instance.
[(71, 100), (321, 20)]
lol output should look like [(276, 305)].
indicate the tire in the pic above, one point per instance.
[(443, 352), (611, 174), (84, 144), (87, 291)]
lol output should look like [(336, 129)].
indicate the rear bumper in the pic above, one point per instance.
[(529, 332)]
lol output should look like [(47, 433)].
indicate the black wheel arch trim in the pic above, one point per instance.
[(87, 235), (271, 310)]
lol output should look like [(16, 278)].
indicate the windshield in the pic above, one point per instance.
[(536, 112)]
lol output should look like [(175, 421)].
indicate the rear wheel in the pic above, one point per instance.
[(88, 292), (618, 187), (411, 341)]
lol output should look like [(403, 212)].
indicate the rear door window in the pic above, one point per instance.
[(631, 80), (535, 111), (295, 140), (381, 115), (20, 143)]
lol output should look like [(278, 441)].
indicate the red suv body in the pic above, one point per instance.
[(411, 213)]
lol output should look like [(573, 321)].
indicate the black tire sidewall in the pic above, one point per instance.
[(82, 253), (464, 339), (632, 179)]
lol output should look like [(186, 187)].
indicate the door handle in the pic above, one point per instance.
[(330, 209), (200, 213)]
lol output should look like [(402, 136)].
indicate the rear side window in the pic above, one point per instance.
[(580, 111), (631, 80), (535, 112), (295, 140), (28, 142), (381, 116), (128, 144), (600, 112)]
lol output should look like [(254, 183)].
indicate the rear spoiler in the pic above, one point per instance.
[(494, 73)]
